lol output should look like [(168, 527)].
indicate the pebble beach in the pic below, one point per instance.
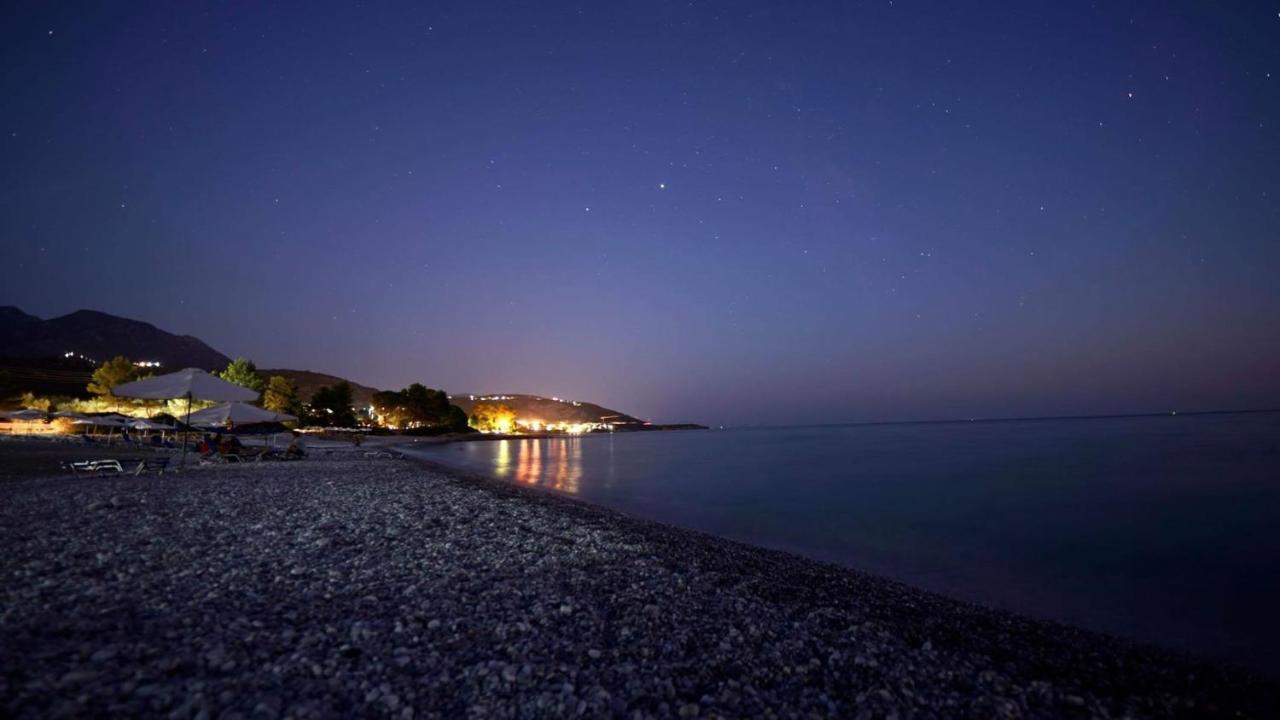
[(346, 586)]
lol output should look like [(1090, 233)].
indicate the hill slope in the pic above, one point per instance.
[(101, 336), (309, 382), (548, 409)]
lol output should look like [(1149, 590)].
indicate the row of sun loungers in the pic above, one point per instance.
[(119, 466)]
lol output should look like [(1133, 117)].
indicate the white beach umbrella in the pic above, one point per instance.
[(99, 422), (147, 425), (24, 415), (237, 414), (192, 383)]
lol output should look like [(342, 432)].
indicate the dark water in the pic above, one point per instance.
[(1165, 529)]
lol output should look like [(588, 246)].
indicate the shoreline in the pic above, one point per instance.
[(446, 439), (567, 503), (363, 585)]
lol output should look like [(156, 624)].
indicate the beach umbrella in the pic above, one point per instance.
[(96, 422), (99, 422), (67, 414), (267, 428), (24, 415), (147, 425), (235, 413), (192, 384)]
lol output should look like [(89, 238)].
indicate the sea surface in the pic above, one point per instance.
[(1164, 529)]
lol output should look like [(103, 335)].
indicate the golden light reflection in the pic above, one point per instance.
[(529, 456), (555, 463), (502, 468)]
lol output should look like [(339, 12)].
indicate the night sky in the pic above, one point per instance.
[(729, 213)]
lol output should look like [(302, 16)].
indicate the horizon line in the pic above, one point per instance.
[(1033, 418)]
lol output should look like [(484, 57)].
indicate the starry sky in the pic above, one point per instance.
[(723, 212)]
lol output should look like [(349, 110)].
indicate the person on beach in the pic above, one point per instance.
[(229, 445), (296, 447)]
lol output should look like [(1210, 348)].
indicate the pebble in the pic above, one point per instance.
[(297, 589)]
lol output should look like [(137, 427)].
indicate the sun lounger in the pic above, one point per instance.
[(96, 467), (156, 465)]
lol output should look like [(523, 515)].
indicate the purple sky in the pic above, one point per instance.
[(728, 213)]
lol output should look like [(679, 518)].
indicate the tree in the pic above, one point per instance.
[(36, 402), (281, 395), (390, 409), (492, 417), (331, 405), (458, 420), (113, 372), (243, 372), (418, 407)]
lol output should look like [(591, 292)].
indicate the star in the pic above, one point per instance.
[(662, 186)]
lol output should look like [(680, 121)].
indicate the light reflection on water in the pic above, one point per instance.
[(553, 463)]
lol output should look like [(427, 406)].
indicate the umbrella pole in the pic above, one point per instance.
[(186, 433)]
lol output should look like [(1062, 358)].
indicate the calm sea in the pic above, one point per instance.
[(1165, 529)]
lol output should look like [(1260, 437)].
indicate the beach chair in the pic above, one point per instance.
[(96, 467), (156, 465), (253, 454)]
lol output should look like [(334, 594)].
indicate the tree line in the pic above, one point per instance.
[(419, 409), (416, 409), (330, 406)]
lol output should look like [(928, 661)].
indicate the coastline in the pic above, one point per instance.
[(351, 586), (410, 440)]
